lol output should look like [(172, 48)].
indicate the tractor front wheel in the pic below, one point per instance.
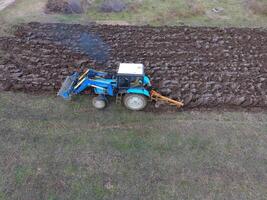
[(99, 103), (135, 101)]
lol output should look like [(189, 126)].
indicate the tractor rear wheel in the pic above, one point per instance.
[(135, 101), (99, 103)]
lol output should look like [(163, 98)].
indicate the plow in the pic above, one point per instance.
[(129, 86)]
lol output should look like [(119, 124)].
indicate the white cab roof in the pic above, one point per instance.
[(131, 68)]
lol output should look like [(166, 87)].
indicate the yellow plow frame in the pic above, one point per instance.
[(158, 97)]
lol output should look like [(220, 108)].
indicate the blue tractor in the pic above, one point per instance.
[(129, 85)]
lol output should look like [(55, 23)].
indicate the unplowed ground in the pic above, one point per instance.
[(70, 151), (204, 67)]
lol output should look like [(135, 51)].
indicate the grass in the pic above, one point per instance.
[(184, 12), (258, 6), (32, 10), (237, 13), (154, 12), (52, 149)]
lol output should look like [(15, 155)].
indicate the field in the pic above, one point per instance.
[(51, 149), (56, 150), (203, 67)]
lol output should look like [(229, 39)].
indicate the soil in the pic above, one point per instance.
[(203, 67), (66, 6)]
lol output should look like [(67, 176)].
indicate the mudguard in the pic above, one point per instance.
[(138, 91)]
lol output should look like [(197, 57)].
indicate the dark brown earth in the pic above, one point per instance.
[(204, 67), (66, 6)]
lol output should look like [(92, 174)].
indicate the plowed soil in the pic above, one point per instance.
[(204, 67)]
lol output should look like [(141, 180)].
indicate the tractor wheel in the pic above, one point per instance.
[(99, 103), (135, 101)]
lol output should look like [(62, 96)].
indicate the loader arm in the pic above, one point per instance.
[(76, 83), (101, 86)]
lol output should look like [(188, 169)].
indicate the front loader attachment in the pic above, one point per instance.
[(67, 87)]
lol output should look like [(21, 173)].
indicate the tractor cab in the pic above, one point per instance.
[(131, 75)]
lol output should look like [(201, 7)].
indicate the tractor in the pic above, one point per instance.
[(129, 85)]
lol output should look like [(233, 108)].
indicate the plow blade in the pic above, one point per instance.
[(67, 87), (158, 97)]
